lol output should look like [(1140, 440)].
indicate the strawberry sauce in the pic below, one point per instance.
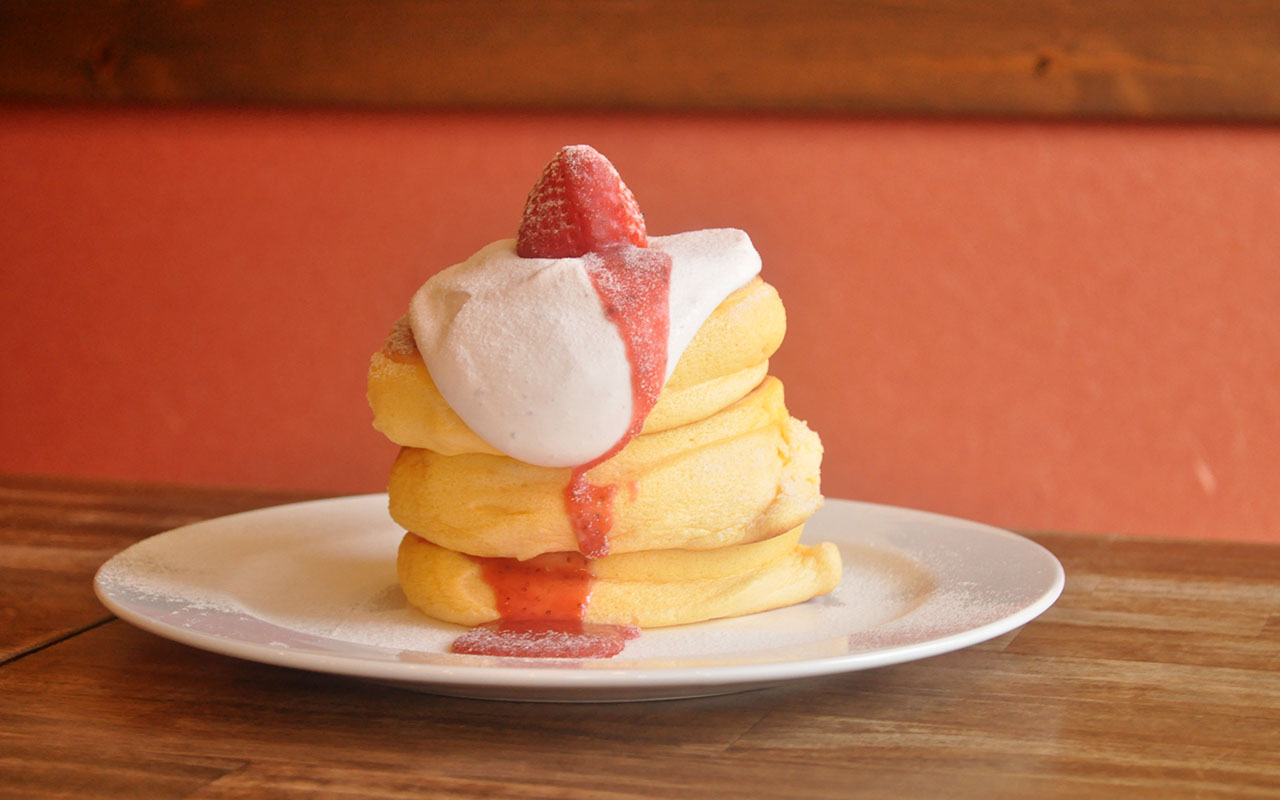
[(539, 639), (581, 207), (542, 602), (634, 285)]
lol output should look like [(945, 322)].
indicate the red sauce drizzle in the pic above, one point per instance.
[(634, 286), (552, 586), (542, 602), (539, 639)]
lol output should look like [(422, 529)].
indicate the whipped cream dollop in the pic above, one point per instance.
[(522, 350)]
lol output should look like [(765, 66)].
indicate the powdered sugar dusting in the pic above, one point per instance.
[(320, 577)]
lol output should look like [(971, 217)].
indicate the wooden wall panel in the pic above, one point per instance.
[(1130, 59)]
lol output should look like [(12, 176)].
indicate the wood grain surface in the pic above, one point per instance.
[(1134, 59), (54, 534), (1155, 675)]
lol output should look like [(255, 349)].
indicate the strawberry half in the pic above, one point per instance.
[(579, 205)]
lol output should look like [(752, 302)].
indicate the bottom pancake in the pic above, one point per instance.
[(650, 589)]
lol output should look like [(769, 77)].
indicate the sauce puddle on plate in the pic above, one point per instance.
[(542, 603)]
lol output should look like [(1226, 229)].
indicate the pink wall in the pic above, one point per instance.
[(1036, 325)]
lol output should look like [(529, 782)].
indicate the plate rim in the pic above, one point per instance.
[(547, 676)]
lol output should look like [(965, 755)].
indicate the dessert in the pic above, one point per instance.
[(590, 440)]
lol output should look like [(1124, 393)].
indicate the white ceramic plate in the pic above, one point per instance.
[(313, 586)]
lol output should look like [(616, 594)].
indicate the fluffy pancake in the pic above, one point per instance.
[(651, 589), (726, 359), (743, 474)]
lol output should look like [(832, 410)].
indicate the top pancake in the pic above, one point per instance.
[(726, 360)]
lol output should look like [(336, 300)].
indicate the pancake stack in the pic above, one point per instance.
[(708, 501)]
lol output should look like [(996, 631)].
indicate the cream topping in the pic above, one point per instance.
[(521, 349)]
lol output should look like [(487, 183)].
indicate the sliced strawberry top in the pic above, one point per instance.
[(579, 205)]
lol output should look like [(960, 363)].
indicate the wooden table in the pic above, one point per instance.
[(1157, 674)]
